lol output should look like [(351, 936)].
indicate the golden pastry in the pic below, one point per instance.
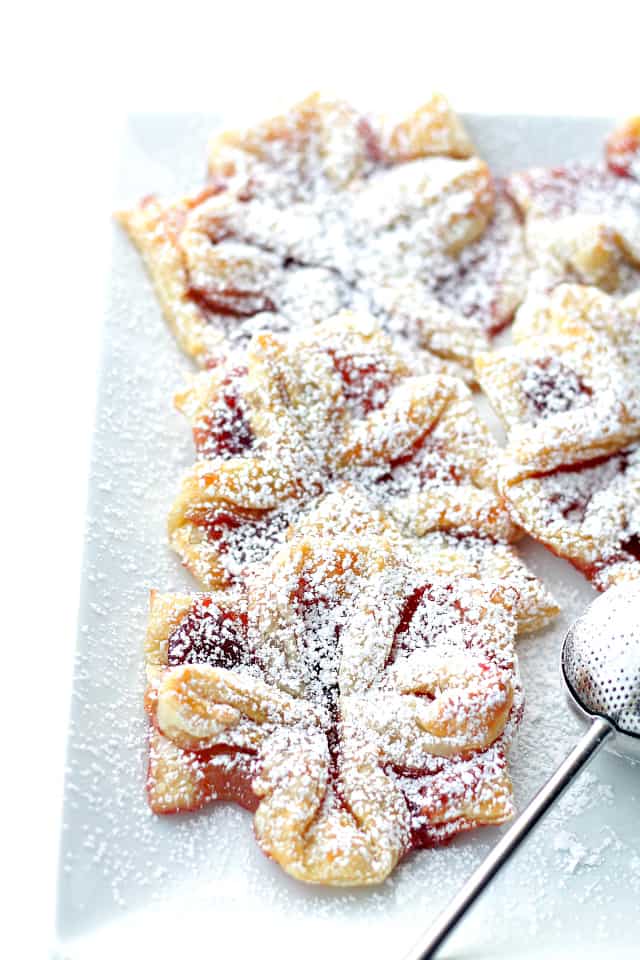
[(324, 208), (567, 392), (348, 691)]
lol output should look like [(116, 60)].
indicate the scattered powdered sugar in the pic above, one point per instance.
[(575, 856), (576, 853), (586, 791)]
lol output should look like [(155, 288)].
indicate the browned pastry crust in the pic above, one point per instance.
[(582, 220), (349, 691), (567, 392), (333, 404), (324, 208)]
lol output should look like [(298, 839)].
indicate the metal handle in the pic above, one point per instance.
[(584, 751)]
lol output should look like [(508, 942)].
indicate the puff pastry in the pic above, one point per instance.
[(334, 404), (324, 208), (350, 676), (350, 691), (567, 394), (582, 220)]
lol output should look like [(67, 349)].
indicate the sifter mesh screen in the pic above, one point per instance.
[(601, 658)]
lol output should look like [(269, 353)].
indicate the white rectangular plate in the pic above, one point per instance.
[(197, 885)]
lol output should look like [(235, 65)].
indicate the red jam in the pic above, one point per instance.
[(623, 150), (410, 606), (631, 546), (364, 384), (435, 464), (573, 505), (217, 637), (229, 302), (426, 593), (303, 597), (371, 141), (225, 430), (440, 790), (209, 635), (432, 793), (222, 773), (217, 523), (583, 465), (551, 387), (246, 535), (230, 780), (628, 551)]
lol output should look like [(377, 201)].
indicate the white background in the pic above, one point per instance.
[(70, 72)]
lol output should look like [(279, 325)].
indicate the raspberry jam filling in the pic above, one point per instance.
[(571, 488), (319, 653), (217, 637), (431, 612), (431, 794), (209, 635), (225, 431), (552, 387), (623, 151), (365, 385), (428, 612), (570, 491), (221, 773), (413, 601), (631, 546), (244, 536), (229, 302), (226, 774), (425, 464), (217, 524)]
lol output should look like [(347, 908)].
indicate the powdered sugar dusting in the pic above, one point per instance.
[(323, 208), (312, 412), (120, 860), (582, 224)]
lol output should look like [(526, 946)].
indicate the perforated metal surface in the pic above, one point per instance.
[(601, 658)]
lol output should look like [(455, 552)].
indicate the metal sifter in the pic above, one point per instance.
[(600, 663)]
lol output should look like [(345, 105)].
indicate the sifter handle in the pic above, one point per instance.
[(582, 753)]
